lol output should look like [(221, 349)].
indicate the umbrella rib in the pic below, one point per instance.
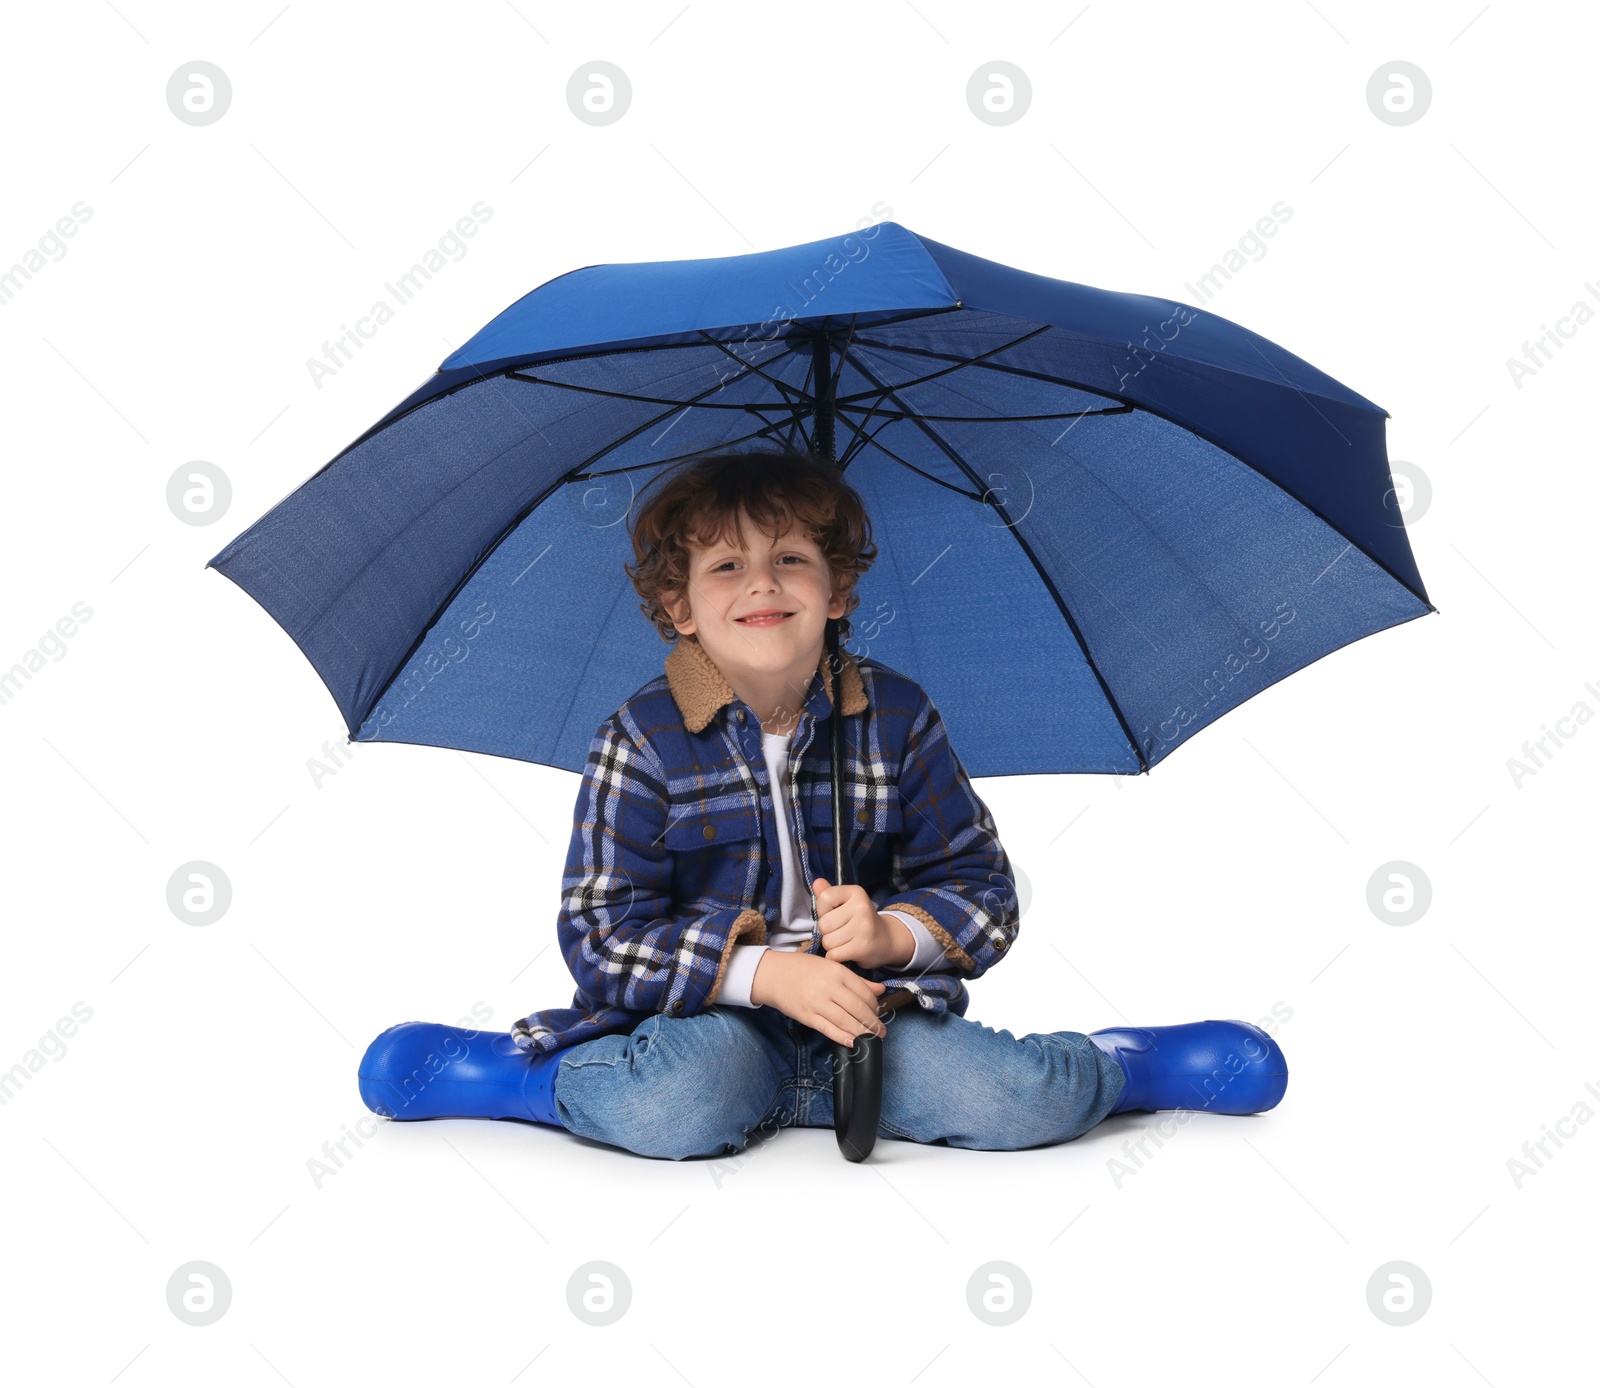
[(627, 349), (632, 434), (992, 418), (985, 365), (648, 424), (450, 597), (481, 377), (764, 432), (695, 403), (793, 397), (1160, 414), (672, 458), (782, 386), (838, 371), (1027, 549), (861, 439), (793, 423), (578, 471), (499, 539), (1076, 385), (910, 317), (572, 474), (910, 466), (960, 362)]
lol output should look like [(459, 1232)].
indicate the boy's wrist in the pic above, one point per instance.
[(766, 981), (902, 943)]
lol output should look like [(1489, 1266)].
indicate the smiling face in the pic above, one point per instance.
[(759, 608)]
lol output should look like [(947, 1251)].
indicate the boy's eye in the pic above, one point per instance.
[(799, 558)]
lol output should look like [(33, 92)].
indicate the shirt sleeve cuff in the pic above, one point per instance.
[(929, 951), (741, 974)]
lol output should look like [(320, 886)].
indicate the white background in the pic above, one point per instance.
[(178, 1123)]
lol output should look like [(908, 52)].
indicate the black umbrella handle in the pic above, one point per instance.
[(857, 1068)]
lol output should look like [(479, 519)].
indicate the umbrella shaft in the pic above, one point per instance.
[(822, 392)]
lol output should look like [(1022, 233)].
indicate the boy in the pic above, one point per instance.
[(714, 954)]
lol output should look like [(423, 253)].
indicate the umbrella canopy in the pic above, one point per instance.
[(1103, 520)]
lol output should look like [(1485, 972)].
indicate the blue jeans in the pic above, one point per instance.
[(679, 1087)]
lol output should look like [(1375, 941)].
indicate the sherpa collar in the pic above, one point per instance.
[(699, 688)]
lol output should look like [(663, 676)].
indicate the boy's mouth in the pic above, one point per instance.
[(769, 618)]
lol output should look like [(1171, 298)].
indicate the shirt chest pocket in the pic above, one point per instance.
[(872, 830), (716, 856)]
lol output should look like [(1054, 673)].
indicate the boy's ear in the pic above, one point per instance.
[(676, 606), (841, 594)]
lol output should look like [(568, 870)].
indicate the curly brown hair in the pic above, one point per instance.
[(699, 502)]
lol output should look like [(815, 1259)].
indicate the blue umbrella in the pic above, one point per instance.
[(1103, 520)]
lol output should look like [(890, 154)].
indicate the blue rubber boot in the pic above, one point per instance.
[(429, 1070), (1220, 1067)]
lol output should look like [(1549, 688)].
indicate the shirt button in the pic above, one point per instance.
[(741, 715), (861, 816), (710, 831), (678, 1006)]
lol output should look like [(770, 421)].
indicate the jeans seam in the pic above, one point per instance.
[(570, 1064)]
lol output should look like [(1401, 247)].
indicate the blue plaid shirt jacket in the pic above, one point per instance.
[(673, 859)]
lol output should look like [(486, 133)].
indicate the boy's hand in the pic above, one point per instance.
[(819, 993), (853, 931)]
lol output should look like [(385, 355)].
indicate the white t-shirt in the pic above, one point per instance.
[(795, 924)]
